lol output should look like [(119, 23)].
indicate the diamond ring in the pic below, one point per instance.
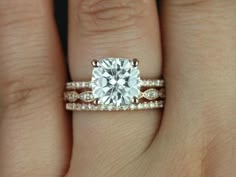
[(115, 85)]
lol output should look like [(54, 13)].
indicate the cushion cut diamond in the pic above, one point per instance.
[(115, 81)]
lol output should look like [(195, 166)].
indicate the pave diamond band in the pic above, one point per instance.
[(115, 86), (87, 84), (92, 107)]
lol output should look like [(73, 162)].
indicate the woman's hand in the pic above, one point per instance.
[(194, 47)]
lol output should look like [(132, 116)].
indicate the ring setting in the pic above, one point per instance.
[(115, 85)]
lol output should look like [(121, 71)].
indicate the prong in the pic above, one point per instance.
[(135, 100), (135, 62), (96, 101), (95, 63)]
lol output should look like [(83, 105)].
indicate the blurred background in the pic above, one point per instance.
[(61, 14)]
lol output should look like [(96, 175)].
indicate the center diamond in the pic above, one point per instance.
[(115, 81)]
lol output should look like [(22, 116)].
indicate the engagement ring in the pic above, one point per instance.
[(115, 85)]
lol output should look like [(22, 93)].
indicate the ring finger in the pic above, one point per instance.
[(112, 28)]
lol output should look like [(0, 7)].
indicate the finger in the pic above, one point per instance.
[(99, 29), (199, 44), (33, 126)]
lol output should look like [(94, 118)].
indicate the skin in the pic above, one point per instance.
[(192, 44)]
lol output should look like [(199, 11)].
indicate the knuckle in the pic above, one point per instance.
[(196, 4), (20, 13), (18, 93), (109, 15), (24, 94), (186, 3)]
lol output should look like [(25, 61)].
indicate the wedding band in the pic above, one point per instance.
[(87, 84), (115, 86)]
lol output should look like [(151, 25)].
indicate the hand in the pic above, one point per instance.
[(193, 48)]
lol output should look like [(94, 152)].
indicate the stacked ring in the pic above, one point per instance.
[(115, 86)]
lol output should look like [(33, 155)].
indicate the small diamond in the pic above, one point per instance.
[(83, 107), (117, 108), (76, 106), (95, 108), (73, 106), (102, 107), (109, 107), (144, 82), (156, 104), (147, 83), (125, 107), (86, 96), (68, 106), (151, 94), (71, 96), (145, 105), (161, 104), (98, 107), (83, 84), (132, 106), (90, 106), (152, 105), (141, 82), (153, 83), (87, 84), (140, 106)]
